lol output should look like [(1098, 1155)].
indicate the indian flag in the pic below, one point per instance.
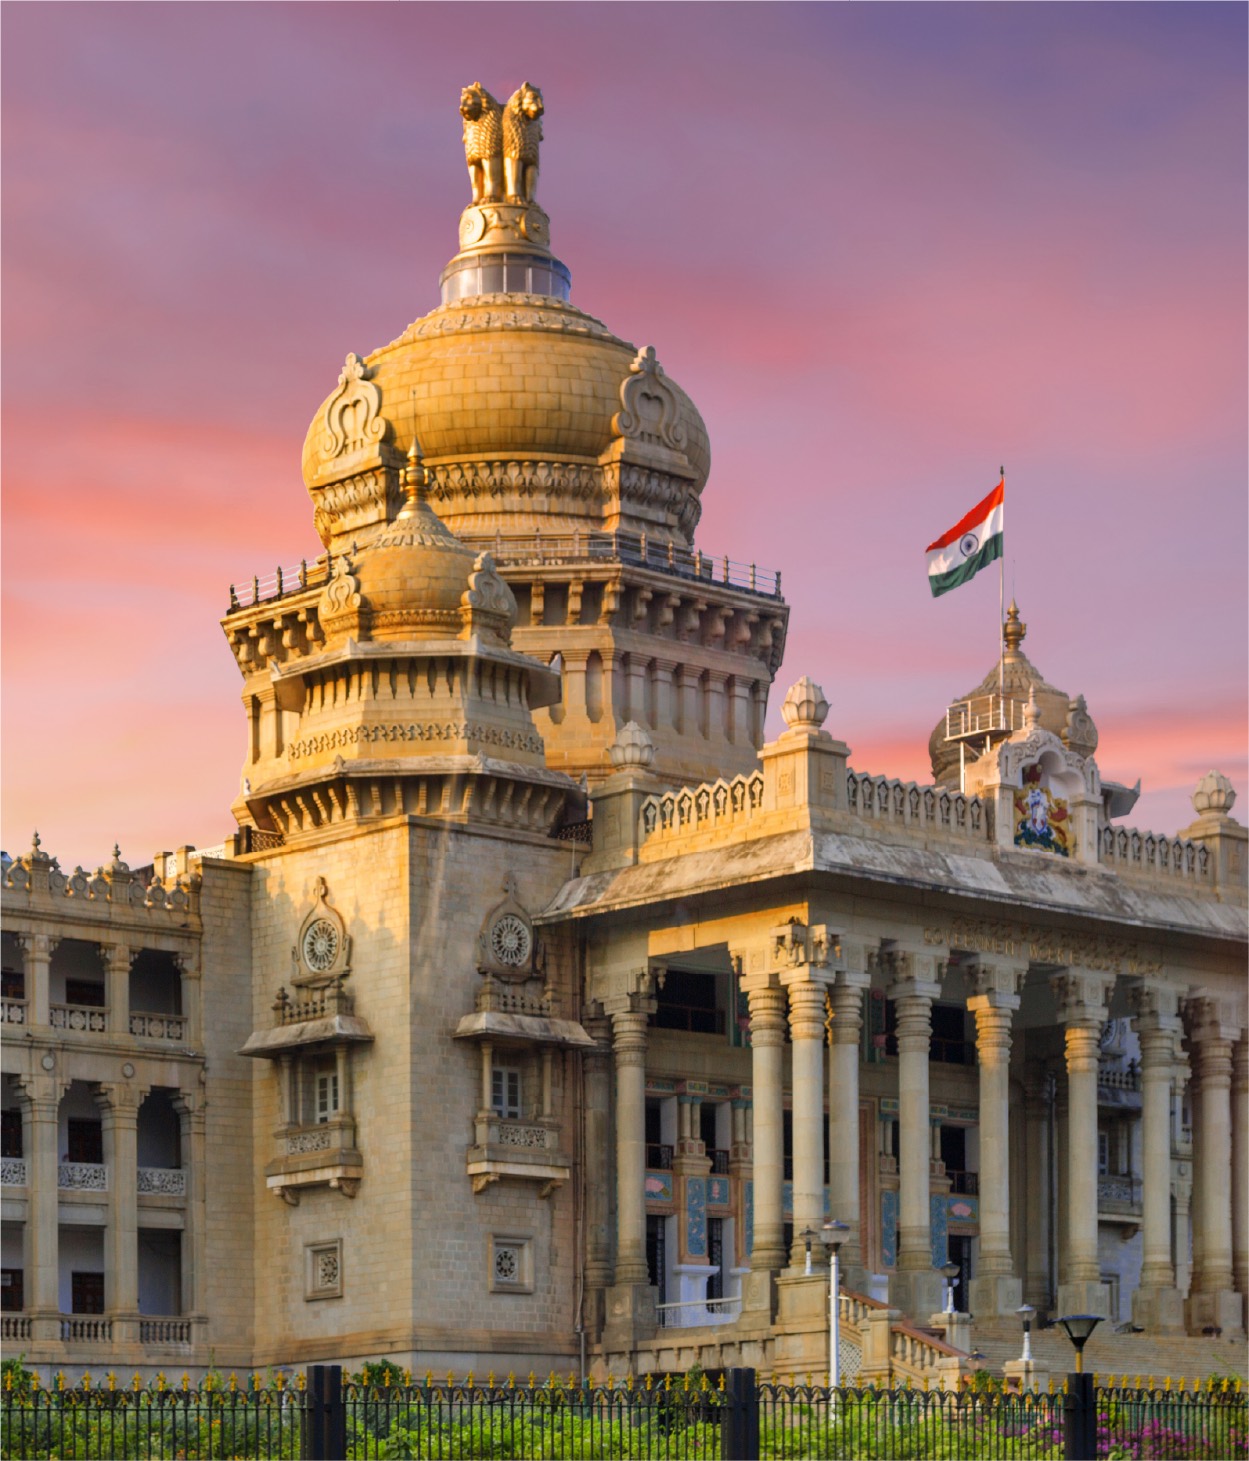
[(970, 545)]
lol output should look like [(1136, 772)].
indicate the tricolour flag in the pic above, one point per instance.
[(970, 545)]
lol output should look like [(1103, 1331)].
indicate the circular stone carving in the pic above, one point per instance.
[(128, 1070), (321, 946), (472, 226), (48, 1062), (510, 940)]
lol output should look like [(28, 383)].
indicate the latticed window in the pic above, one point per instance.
[(505, 1091), (326, 1095)]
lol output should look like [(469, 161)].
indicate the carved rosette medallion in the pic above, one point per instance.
[(322, 953), (506, 945)]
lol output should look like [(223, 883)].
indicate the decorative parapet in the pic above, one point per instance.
[(87, 1018), (711, 805), (316, 1004), (162, 1181), (166, 1331), (917, 808), (81, 1330), (82, 1177), (13, 1171), (1155, 856), (37, 879), (158, 1027), (12, 1011)]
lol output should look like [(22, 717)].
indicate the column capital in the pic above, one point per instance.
[(1081, 995), (1240, 1064), (999, 981), (1209, 1018), (1155, 1006), (118, 1101), (799, 946), (119, 956)]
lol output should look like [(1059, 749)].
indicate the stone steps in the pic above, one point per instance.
[(1109, 1353)]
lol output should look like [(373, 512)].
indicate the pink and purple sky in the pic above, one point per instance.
[(886, 248)]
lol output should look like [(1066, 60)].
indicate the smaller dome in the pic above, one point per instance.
[(417, 580)]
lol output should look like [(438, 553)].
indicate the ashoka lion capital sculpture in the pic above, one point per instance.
[(501, 143)]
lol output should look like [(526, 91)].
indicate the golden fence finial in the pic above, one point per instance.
[(490, 1379), (86, 1379), (533, 1379)]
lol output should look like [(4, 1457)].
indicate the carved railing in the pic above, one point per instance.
[(12, 1171), (510, 1001), (15, 1326), (1151, 855), (162, 1181), (316, 1004), (1116, 1191), (635, 549), (923, 808), (83, 1330), (165, 1331), (89, 1018), (158, 1027), (12, 1011), (181, 897), (982, 715), (82, 1177), (1114, 1076), (311, 1139), (711, 805), (914, 1354)]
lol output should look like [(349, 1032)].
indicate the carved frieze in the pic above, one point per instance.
[(481, 735), (1042, 946)]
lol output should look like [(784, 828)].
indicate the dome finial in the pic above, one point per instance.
[(415, 480), (1013, 630)]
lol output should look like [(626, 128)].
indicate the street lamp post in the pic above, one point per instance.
[(950, 1273), (1080, 1401), (808, 1236), (1025, 1312), (834, 1234)]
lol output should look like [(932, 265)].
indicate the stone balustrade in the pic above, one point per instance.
[(12, 1011), (15, 1326), (1156, 856), (165, 1331), (905, 805), (528, 1135), (83, 1329), (81, 1018), (1118, 1193), (158, 1027), (162, 1181), (13, 1171), (182, 896), (713, 805), (82, 1177)]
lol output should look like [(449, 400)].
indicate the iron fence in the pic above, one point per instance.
[(386, 1413)]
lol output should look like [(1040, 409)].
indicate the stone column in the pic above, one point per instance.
[(596, 1068), (806, 1025), (1037, 1142), (1211, 1036), (40, 1107), (915, 1286), (1081, 998), (117, 961), (995, 1290), (1240, 1168), (767, 1041), (1156, 1303), (192, 1011), (843, 1111), (119, 1107), (192, 1130), (38, 949), (629, 1044)]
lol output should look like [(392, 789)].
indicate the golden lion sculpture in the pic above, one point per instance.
[(522, 131), (483, 142)]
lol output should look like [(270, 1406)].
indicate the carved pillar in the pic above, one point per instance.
[(629, 1044), (192, 1129), (806, 1024), (915, 1286), (119, 1108), (596, 1066), (1156, 1303), (192, 1009), (995, 1289), (40, 1106), (1240, 1168), (1211, 1036), (38, 949), (1038, 1138), (843, 1111), (767, 1040), (117, 961), (1081, 998)]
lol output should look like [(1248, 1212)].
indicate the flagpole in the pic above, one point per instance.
[(1001, 616)]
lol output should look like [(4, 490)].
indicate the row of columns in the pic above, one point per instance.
[(119, 1108), (794, 998)]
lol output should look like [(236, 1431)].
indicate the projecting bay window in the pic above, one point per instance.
[(326, 1097), (506, 1092)]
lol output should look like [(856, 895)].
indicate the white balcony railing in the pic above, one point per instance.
[(693, 1313), (158, 1027), (13, 1171), (82, 1177), (162, 1181)]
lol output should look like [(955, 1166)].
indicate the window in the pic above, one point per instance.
[(11, 1295), (511, 1264), (86, 1293), (11, 1134), (505, 1091), (326, 1095), (688, 1001), (84, 992), (84, 1143), (13, 984), (715, 1252)]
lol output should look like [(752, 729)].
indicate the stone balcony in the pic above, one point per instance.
[(528, 1150), (322, 1155), (1119, 1199)]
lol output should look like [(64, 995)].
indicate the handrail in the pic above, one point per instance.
[(712, 1310)]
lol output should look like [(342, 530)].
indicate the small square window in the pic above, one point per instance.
[(511, 1264), (323, 1270), (506, 1091)]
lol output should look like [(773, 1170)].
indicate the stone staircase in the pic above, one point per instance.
[(1109, 1353)]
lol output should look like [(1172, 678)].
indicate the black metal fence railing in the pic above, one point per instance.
[(383, 1413)]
